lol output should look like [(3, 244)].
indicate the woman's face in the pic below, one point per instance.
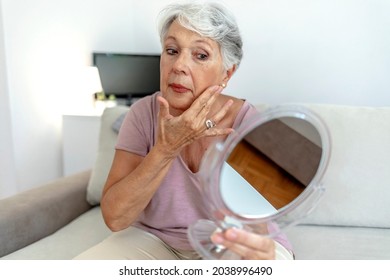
[(189, 65)]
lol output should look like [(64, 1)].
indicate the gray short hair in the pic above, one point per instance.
[(210, 20)]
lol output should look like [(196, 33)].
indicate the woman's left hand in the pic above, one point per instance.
[(250, 246)]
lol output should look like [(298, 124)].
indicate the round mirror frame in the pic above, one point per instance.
[(214, 158)]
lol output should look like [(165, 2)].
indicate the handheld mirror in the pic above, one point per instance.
[(268, 171)]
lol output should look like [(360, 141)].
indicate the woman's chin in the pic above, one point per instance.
[(180, 101)]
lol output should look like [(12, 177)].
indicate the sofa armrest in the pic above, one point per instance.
[(34, 214)]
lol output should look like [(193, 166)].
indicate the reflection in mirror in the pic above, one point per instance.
[(271, 166)]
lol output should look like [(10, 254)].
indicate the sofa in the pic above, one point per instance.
[(61, 219)]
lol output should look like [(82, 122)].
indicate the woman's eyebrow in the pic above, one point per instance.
[(198, 41), (202, 41), (170, 37)]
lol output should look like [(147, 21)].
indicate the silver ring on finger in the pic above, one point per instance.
[(209, 124)]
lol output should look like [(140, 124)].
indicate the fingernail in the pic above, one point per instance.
[(217, 239), (217, 89), (231, 233)]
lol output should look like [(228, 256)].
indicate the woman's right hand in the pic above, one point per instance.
[(176, 132)]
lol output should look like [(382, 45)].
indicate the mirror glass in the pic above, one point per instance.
[(270, 166)]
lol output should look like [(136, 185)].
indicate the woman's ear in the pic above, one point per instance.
[(229, 73)]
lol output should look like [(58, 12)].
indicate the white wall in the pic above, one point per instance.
[(7, 166), (330, 51)]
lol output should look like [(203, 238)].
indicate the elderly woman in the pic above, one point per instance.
[(152, 192)]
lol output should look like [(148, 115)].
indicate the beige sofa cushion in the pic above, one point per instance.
[(315, 242), (357, 181), (105, 155)]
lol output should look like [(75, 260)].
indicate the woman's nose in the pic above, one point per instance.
[(181, 64)]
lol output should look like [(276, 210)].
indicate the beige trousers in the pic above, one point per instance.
[(134, 244)]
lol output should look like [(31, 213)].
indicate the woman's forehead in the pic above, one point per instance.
[(177, 32)]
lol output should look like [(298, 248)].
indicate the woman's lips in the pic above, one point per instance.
[(179, 88)]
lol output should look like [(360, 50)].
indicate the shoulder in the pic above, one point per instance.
[(236, 106), (144, 108), (149, 101), (238, 103), (142, 112), (137, 131), (241, 109)]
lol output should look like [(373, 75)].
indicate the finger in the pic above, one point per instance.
[(200, 108), (218, 131), (222, 113), (247, 245), (248, 253), (247, 239), (164, 107), (204, 102)]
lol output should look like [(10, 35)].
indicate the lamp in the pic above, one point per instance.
[(90, 84), (92, 81), (93, 86), (83, 84)]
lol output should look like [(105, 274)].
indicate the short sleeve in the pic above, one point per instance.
[(136, 134)]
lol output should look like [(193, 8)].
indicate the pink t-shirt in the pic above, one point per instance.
[(178, 201)]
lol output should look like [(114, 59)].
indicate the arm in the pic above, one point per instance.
[(130, 186)]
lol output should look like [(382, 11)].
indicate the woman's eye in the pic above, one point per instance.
[(202, 56), (171, 51)]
